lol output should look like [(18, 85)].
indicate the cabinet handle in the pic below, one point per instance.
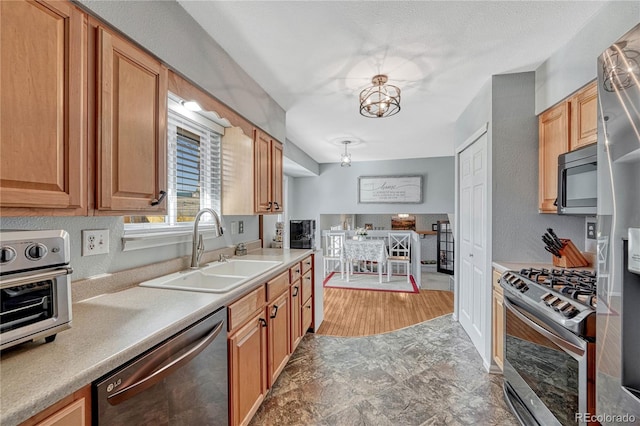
[(157, 201), (295, 292), (308, 278), (269, 205), (308, 306), (297, 271), (274, 311), (262, 321), (277, 205)]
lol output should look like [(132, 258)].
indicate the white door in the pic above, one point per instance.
[(473, 302)]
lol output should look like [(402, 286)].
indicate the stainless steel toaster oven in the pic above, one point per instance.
[(35, 293)]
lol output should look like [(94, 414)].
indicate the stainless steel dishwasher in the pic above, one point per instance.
[(181, 381)]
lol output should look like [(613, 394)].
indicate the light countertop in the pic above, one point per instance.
[(107, 331)]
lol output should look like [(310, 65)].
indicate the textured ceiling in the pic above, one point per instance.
[(314, 57)]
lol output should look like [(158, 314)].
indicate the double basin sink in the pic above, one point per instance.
[(216, 277)]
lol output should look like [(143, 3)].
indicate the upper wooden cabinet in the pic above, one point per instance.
[(554, 140), (43, 140), (569, 125), (584, 117), (267, 174), (131, 101)]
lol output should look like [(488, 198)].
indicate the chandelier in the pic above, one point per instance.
[(345, 159), (620, 67), (380, 99)]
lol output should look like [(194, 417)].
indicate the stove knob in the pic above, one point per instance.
[(7, 254), (36, 251)]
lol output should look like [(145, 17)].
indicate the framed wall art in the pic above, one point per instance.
[(390, 189)]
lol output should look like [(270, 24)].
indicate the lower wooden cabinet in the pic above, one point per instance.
[(248, 369), (265, 327), (497, 347), (279, 337), (74, 410), (307, 315), (295, 330)]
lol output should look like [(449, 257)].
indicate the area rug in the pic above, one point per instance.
[(362, 281)]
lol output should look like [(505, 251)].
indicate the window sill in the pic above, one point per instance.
[(139, 239)]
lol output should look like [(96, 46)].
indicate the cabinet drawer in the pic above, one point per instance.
[(306, 264), (307, 285), (277, 286), (242, 309), (294, 273)]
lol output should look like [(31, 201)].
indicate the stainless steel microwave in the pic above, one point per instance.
[(577, 182)]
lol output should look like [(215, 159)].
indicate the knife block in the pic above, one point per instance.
[(571, 256)]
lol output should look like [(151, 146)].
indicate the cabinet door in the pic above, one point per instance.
[(296, 311), (307, 315), (132, 114), (276, 177), (72, 410), (248, 369), (279, 337), (554, 140), (43, 103), (584, 117), (262, 172)]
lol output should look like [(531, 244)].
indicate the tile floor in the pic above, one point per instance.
[(435, 281), (426, 374)]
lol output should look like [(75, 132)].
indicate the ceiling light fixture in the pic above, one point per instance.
[(346, 157), (380, 99), (620, 67), (191, 105)]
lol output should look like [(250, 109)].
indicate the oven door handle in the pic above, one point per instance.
[(31, 278), (576, 351), (165, 370)]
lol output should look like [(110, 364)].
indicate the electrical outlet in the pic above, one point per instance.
[(241, 227), (234, 228), (95, 241)]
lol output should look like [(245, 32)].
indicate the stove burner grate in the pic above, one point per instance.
[(579, 285)]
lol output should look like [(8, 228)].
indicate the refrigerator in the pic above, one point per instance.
[(618, 254)]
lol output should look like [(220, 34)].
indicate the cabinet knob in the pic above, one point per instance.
[(157, 201)]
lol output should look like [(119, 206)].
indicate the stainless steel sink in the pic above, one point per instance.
[(217, 277)]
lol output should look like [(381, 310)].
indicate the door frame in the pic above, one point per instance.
[(485, 352)]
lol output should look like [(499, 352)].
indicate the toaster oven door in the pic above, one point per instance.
[(33, 305)]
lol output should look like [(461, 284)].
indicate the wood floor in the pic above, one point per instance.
[(353, 313)]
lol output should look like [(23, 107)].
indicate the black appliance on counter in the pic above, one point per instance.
[(302, 234), (549, 345)]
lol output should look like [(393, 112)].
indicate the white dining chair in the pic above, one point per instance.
[(399, 252), (334, 252)]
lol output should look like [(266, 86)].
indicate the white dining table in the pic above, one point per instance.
[(365, 250)]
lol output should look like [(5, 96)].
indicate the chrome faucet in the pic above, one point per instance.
[(197, 247), (223, 257)]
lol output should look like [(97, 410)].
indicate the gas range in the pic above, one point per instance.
[(563, 296)]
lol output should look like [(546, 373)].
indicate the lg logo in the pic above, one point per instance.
[(112, 386)]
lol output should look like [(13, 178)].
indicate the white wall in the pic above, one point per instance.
[(574, 64)]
